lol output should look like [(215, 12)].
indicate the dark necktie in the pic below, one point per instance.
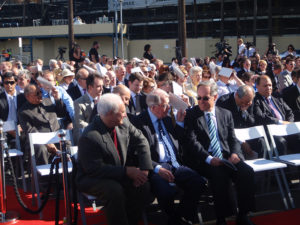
[(214, 143), (137, 103), (275, 112), (228, 87), (167, 145)]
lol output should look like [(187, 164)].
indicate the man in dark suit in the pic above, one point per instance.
[(165, 140), (137, 102), (246, 68), (292, 95), (8, 111), (240, 105), (211, 139), (76, 91), (40, 115), (102, 159), (271, 110)]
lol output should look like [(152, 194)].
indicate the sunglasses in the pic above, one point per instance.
[(9, 82), (205, 98)]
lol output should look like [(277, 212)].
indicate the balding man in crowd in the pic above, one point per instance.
[(240, 105), (271, 110), (40, 115), (102, 169)]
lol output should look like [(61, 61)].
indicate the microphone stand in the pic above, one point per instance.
[(64, 160), (7, 217)]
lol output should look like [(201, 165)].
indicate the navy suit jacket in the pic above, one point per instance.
[(74, 92), (263, 114), (291, 96), (144, 123), (197, 136)]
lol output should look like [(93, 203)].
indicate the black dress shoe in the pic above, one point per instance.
[(243, 220)]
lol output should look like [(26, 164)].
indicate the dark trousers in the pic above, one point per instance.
[(123, 203), (189, 181), (221, 178)]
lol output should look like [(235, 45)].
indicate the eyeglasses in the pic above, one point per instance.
[(205, 98), (9, 82), (81, 78)]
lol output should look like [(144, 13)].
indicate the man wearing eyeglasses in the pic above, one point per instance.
[(79, 88), (211, 141), (40, 115), (165, 142)]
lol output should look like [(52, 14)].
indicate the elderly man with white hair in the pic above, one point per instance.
[(103, 169), (166, 143), (196, 77)]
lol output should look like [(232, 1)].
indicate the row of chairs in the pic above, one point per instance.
[(270, 162)]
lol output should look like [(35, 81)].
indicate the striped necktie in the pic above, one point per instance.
[(214, 143)]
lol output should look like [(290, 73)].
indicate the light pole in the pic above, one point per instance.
[(116, 28), (121, 21)]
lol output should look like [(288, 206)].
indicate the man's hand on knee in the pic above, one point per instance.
[(138, 176)]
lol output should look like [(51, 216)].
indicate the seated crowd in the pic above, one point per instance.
[(146, 129)]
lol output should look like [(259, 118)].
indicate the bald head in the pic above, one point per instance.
[(123, 92), (264, 86)]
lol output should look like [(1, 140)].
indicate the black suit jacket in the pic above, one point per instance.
[(291, 96), (263, 114), (143, 104), (98, 158), (74, 92), (197, 136), (4, 108), (144, 123), (42, 117), (228, 102)]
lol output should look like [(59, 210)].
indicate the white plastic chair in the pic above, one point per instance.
[(43, 170), (284, 130), (16, 152), (263, 164)]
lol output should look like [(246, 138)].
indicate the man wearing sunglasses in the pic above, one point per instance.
[(10, 100), (211, 142)]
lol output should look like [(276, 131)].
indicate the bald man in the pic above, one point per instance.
[(271, 110)]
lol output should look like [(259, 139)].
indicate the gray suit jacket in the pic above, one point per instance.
[(98, 157), (284, 80), (83, 110)]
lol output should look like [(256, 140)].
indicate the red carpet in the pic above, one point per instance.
[(291, 217), (48, 212)]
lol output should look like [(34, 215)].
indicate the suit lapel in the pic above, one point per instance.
[(203, 123), (121, 137), (278, 107)]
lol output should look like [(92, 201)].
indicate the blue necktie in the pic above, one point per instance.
[(167, 145), (214, 143)]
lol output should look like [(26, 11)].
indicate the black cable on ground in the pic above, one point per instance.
[(24, 206)]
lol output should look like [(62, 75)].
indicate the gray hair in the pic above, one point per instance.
[(154, 98), (210, 83), (195, 69), (26, 73), (244, 90), (109, 103), (52, 62)]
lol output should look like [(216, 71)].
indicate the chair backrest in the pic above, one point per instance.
[(282, 130), (244, 134), (45, 138), (11, 125)]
